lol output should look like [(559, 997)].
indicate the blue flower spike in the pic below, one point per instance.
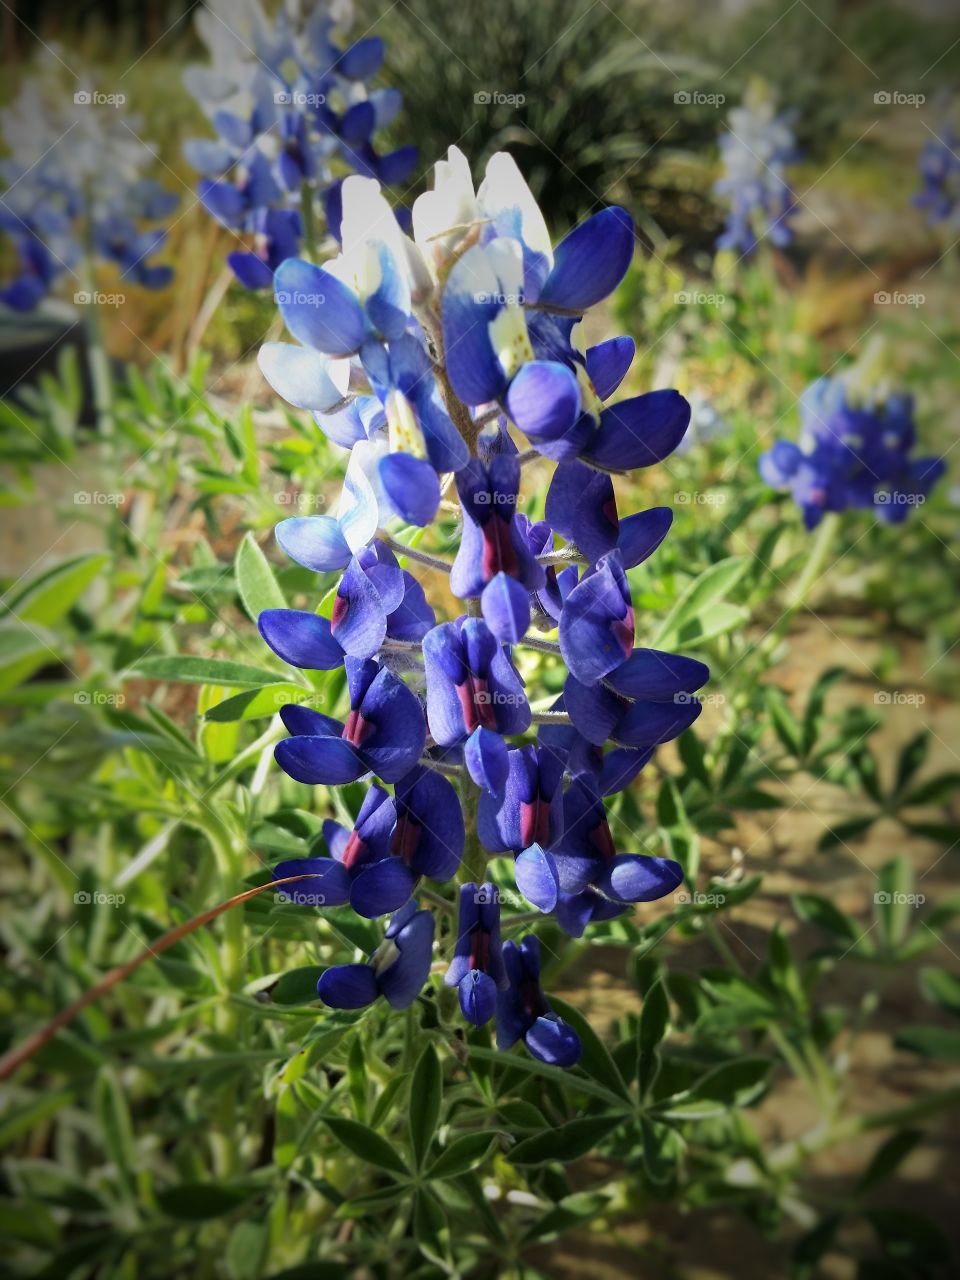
[(426, 360)]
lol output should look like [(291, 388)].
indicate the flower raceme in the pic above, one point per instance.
[(289, 104), (420, 357), (856, 450)]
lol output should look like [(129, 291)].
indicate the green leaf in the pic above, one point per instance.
[(651, 1029), (567, 1142), (845, 831), (734, 1084), (663, 1149), (595, 1059), (461, 1155), (366, 1144), (533, 1066), (699, 611), (23, 650), (257, 704), (49, 596), (426, 1094), (912, 757), (115, 1123), (931, 1042), (357, 1077), (895, 902), (32, 1115), (583, 1206), (814, 909), (197, 1201), (888, 1158), (190, 669), (941, 988), (256, 583)]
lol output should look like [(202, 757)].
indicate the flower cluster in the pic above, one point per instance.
[(289, 104), (855, 451), (419, 356), (940, 172), (756, 149), (75, 188)]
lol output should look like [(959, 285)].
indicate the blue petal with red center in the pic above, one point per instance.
[(486, 756), (505, 605), (581, 507), (529, 809), (397, 969), (596, 625), (429, 836), (477, 968), (491, 541), (413, 616), (470, 683), (523, 1011)]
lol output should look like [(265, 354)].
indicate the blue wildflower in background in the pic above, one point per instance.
[(940, 172), (756, 150), (419, 357), (289, 102), (857, 450), (75, 190)]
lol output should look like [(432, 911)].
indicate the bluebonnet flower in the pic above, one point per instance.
[(756, 150), (75, 188), (856, 450), (940, 172), (422, 383), (292, 113), (477, 969), (524, 1013), (397, 969)]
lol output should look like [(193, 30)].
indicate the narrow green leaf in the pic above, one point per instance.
[(568, 1141), (191, 669), (256, 583), (426, 1094), (461, 1155), (366, 1144)]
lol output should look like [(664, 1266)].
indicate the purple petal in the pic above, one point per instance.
[(506, 608), (412, 486), (381, 887), (651, 675), (553, 1042), (590, 262), (544, 402), (327, 761), (319, 310), (300, 638), (486, 757), (316, 542), (635, 877), (537, 877), (639, 432), (607, 364), (347, 986), (359, 622), (641, 534)]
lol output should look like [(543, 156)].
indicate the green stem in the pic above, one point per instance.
[(98, 361), (309, 221)]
